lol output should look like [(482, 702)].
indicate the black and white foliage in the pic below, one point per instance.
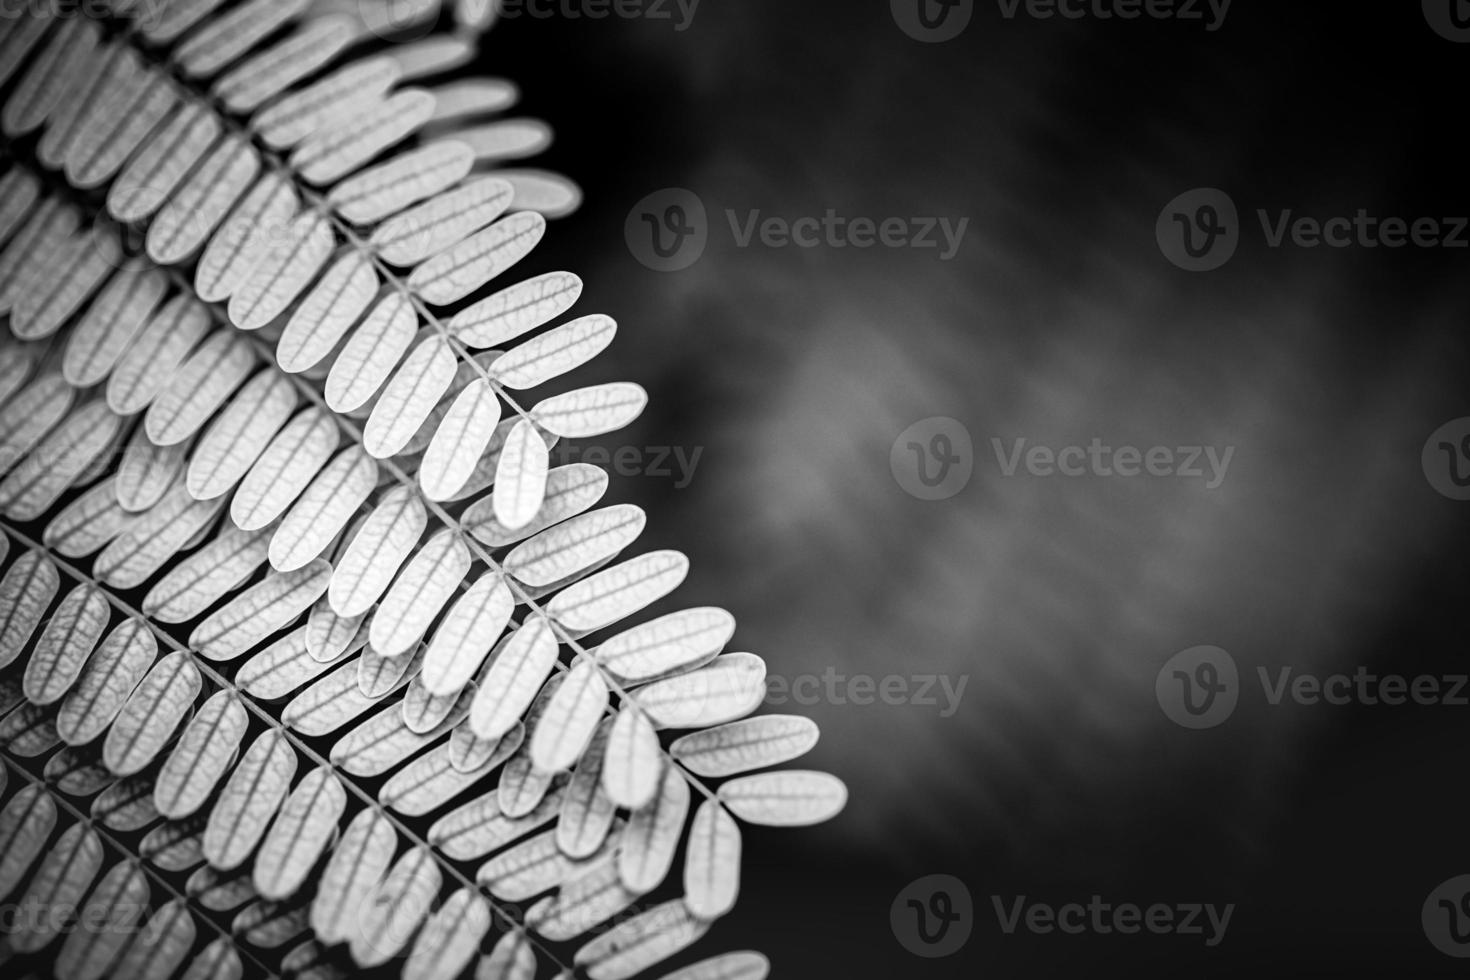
[(294, 661)]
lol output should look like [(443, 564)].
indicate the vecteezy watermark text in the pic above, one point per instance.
[(833, 230), (940, 691), (1200, 688), (1200, 230), (936, 21), (669, 229), (1211, 12), (144, 12), (674, 463), (37, 916), (1099, 459), (680, 12), (1105, 918)]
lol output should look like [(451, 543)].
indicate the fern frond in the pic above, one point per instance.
[(262, 412)]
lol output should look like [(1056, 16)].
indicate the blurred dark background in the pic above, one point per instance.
[(794, 371)]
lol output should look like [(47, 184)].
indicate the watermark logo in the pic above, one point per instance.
[(1450, 19), (933, 916), (932, 21), (933, 459), (1446, 917), (1446, 459), (667, 230), (1199, 230), (1199, 687)]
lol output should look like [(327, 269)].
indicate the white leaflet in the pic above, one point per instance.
[(571, 717), (508, 139), (155, 355), (730, 687), (200, 386), (460, 441), (226, 37), (201, 756), (614, 593), (275, 69), (117, 314), (151, 714), (324, 509), (463, 268), (648, 845), (285, 666), (466, 634), (204, 577), (153, 174), (552, 194), (634, 764), (555, 352), (592, 411), (410, 177), (450, 939), (326, 312), (409, 398), (712, 862), (439, 222), (65, 644), (637, 943), (260, 221), (299, 835), (667, 645), (292, 460), (469, 97), (260, 611), (190, 216), (520, 476), (377, 550), (239, 434), (516, 673), (371, 353), (570, 490), (421, 590), (338, 150), (357, 864), (289, 263), (244, 808), (516, 309), (785, 798), (741, 746), (147, 471), (561, 551)]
